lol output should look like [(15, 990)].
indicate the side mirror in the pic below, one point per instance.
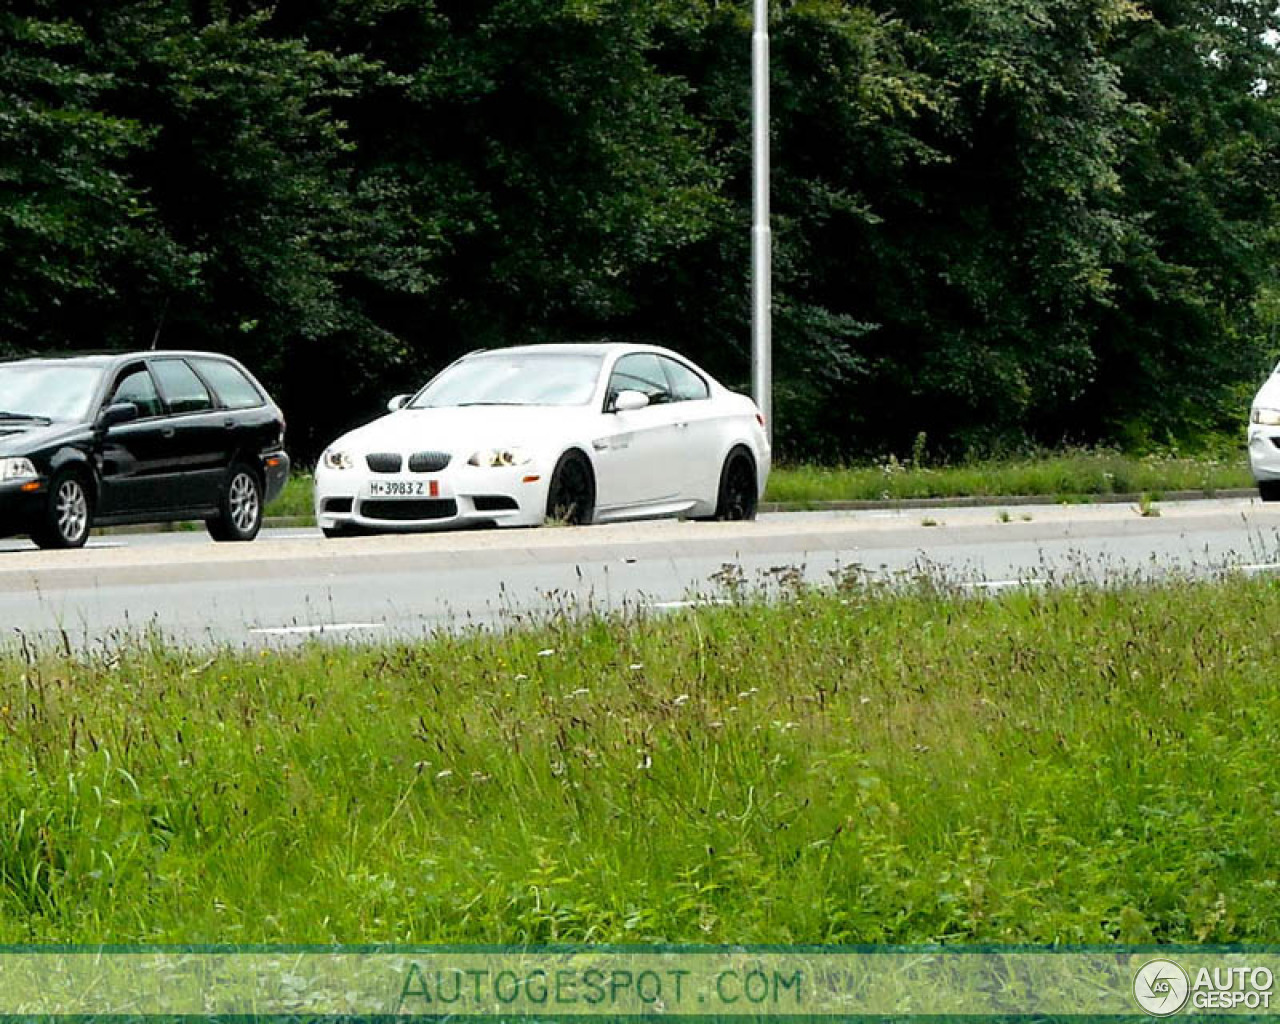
[(120, 412), (630, 401), (398, 403)]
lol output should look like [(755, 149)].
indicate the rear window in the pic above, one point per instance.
[(233, 388), (686, 386), (182, 389)]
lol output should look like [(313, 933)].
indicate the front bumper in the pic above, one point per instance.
[(1264, 452), (456, 497), (21, 505)]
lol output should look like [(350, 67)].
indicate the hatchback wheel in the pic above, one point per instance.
[(68, 514), (1269, 490), (239, 515)]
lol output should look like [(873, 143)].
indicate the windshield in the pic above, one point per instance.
[(514, 378), (48, 391)]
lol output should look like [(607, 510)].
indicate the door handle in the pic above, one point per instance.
[(681, 426), (229, 422), (167, 432)]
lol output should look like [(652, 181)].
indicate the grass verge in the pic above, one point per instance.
[(1076, 475), (1074, 766), (1059, 476)]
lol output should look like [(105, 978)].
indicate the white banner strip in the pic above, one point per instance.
[(622, 982)]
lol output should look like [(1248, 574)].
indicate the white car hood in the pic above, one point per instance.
[(461, 431)]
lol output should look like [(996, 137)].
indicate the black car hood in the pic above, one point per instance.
[(18, 438)]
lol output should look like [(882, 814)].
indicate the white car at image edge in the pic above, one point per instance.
[(1264, 438), (571, 433)]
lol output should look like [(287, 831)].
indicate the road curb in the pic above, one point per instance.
[(197, 525), (995, 501), (884, 505)]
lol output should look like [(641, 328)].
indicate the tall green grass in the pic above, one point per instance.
[(1071, 766)]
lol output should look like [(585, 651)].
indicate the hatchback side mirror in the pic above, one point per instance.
[(398, 403), (630, 401), (120, 412)]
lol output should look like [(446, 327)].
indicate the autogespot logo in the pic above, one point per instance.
[(1161, 987)]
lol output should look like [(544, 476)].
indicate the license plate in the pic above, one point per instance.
[(403, 488)]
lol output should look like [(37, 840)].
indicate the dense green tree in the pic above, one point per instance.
[(248, 171), (75, 233), (540, 150), (997, 220), (1186, 336)]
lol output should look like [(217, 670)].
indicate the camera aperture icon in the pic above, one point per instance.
[(1161, 987)]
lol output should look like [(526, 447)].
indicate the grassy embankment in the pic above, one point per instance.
[(1064, 476), (1071, 766), (1068, 476)]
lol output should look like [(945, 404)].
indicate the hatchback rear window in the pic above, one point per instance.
[(234, 389), (182, 389)]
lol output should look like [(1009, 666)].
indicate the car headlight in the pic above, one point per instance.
[(334, 459), (499, 458), (1266, 417), (17, 469)]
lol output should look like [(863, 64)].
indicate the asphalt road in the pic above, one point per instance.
[(292, 585)]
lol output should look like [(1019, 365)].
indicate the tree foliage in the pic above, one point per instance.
[(997, 220)]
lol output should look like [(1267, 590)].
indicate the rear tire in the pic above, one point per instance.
[(1269, 490), (739, 495), (571, 498), (239, 515), (68, 515)]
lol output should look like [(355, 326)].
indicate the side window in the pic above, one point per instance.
[(639, 372), (235, 390), (182, 389), (686, 386), (135, 385)]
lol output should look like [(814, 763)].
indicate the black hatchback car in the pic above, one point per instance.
[(145, 437)]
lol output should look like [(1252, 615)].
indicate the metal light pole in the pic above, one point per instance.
[(761, 233)]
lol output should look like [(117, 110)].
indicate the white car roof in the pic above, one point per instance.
[(601, 348)]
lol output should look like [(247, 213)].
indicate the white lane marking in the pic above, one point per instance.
[(1003, 584), (667, 606), (1261, 567), (102, 545), (333, 627)]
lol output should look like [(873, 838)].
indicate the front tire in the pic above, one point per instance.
[(571, 498), (739, 495), (68, 515), (239, 515), (1269, 490)]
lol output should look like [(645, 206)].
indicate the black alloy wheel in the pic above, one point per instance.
[(739, 491), (571, 498)]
